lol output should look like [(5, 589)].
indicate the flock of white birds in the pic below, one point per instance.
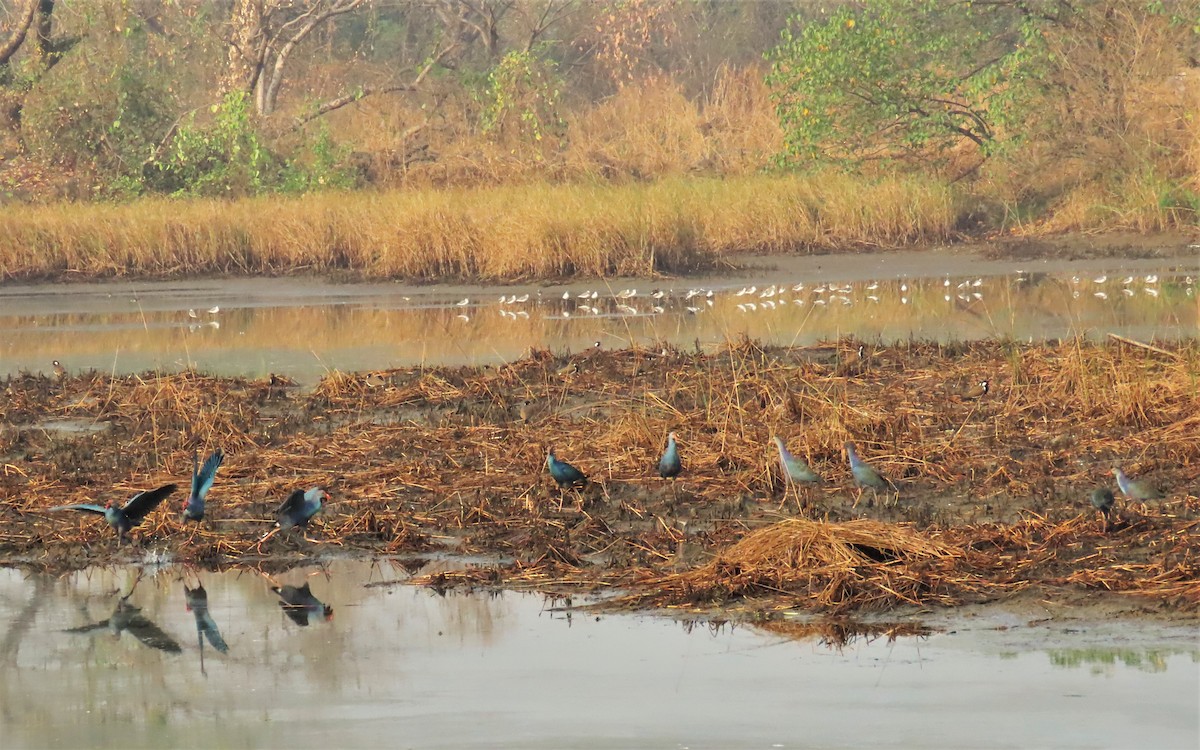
[(747, 299)]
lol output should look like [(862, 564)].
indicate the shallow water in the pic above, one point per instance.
[(402, 667), (305, 328)]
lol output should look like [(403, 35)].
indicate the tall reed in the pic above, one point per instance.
[(505, 232)]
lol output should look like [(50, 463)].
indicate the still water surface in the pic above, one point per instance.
[(396, 666), (306, 328)]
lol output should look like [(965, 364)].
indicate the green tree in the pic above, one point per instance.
[(901, 78), (102, 108), (524, 92), (223, 156)]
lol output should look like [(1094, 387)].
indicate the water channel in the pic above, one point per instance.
[(114, 658), (306, 328)]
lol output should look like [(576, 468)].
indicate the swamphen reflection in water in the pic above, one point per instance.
[(128, 618), (196, 601), (1136, 489), (124, 518), (297, 511), (298, 603), (202, 482), (866, 476)]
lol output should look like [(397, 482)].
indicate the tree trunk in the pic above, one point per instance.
[(247, 46)]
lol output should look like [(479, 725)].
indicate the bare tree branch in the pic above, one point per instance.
[(366, 91), (17, 37), (312, 19)]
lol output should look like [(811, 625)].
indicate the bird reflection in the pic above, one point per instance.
[(128, 618), (197, 603), (298, 603)]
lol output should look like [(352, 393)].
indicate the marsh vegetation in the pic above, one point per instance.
[(993, 490)]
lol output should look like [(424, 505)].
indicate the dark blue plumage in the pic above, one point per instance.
[(1103, 500), (124, 518), (298, 603), (202, 482), (564, 473), (300, 507), (297, 511)]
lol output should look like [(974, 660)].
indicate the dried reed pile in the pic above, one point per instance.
[(993, 491), (863, 564)]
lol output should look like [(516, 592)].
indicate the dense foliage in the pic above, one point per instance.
[(1087, 111)]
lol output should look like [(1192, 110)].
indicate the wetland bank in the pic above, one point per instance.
[(992, 491), (457, 575)]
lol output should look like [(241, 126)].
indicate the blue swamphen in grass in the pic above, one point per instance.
[(564, 474), (125, 517), (1136, 489), (795, 471), (669, 465), (866, 476), (202, 482), (297, 511)]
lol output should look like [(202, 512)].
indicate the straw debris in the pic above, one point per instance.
[(993, 491)]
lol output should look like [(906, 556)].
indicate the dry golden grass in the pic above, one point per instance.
[(509, 232)]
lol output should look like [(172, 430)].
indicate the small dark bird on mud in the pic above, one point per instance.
[(979, 391), (124, 518), (297, 511), (866, 476), (60, 372), (298, 603), (1103, 501), (202, 482), (1136, 489), (669, 465)]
